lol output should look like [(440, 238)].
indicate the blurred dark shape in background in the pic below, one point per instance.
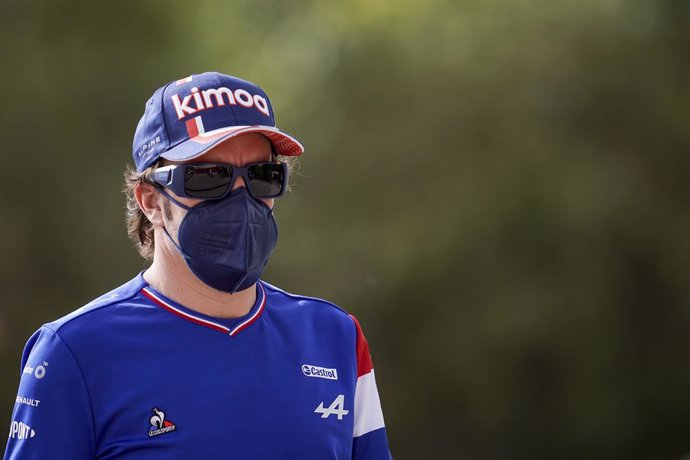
[(497, 189)]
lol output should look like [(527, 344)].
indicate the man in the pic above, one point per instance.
[(196, 357)]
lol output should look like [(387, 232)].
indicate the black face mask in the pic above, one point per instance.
[(226, 243)]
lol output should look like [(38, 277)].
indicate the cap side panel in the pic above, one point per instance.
[(165, 121)]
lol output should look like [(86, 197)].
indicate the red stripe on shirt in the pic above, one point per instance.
[(364, 363), (253, 319), (187, 317)]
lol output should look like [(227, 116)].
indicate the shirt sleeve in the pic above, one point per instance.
[(52, 417), (369, 438)]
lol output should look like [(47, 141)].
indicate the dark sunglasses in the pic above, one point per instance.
[(215, 180)]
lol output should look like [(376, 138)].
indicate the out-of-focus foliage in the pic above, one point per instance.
[(497, 189)]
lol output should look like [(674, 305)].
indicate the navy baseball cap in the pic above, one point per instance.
[(186, 118)]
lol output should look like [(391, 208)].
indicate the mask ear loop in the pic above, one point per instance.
[(183, 206), (168, 196)]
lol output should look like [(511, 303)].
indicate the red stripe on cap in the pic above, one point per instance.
[(364, 363), (192, 128)]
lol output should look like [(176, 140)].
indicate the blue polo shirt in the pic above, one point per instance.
[(135, 375)]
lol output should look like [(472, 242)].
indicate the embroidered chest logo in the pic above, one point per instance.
[(159, 425), (320, 372)]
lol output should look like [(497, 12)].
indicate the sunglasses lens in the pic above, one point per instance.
[(207, 181), (266, 180)]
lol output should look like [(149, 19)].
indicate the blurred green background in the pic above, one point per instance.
[(496, 188)]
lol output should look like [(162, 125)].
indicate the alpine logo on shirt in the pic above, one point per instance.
[(159, 425), (337, 408)]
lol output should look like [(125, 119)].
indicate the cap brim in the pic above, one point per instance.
[(283, 143)]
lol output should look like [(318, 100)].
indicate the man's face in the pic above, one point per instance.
[(239, 151)]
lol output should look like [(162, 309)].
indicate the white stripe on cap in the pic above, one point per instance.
[(199, 125)]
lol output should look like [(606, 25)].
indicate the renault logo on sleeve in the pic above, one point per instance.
[(319, 372), (28, 401)]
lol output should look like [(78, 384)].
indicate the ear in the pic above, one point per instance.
[(149, 202)]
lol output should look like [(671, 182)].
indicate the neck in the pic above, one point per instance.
[(170, 275)]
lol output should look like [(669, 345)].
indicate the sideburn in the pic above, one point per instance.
[(167, 211)]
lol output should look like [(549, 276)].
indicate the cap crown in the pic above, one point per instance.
[(200, 104)]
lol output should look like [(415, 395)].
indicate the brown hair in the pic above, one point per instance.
[(139, 228)]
